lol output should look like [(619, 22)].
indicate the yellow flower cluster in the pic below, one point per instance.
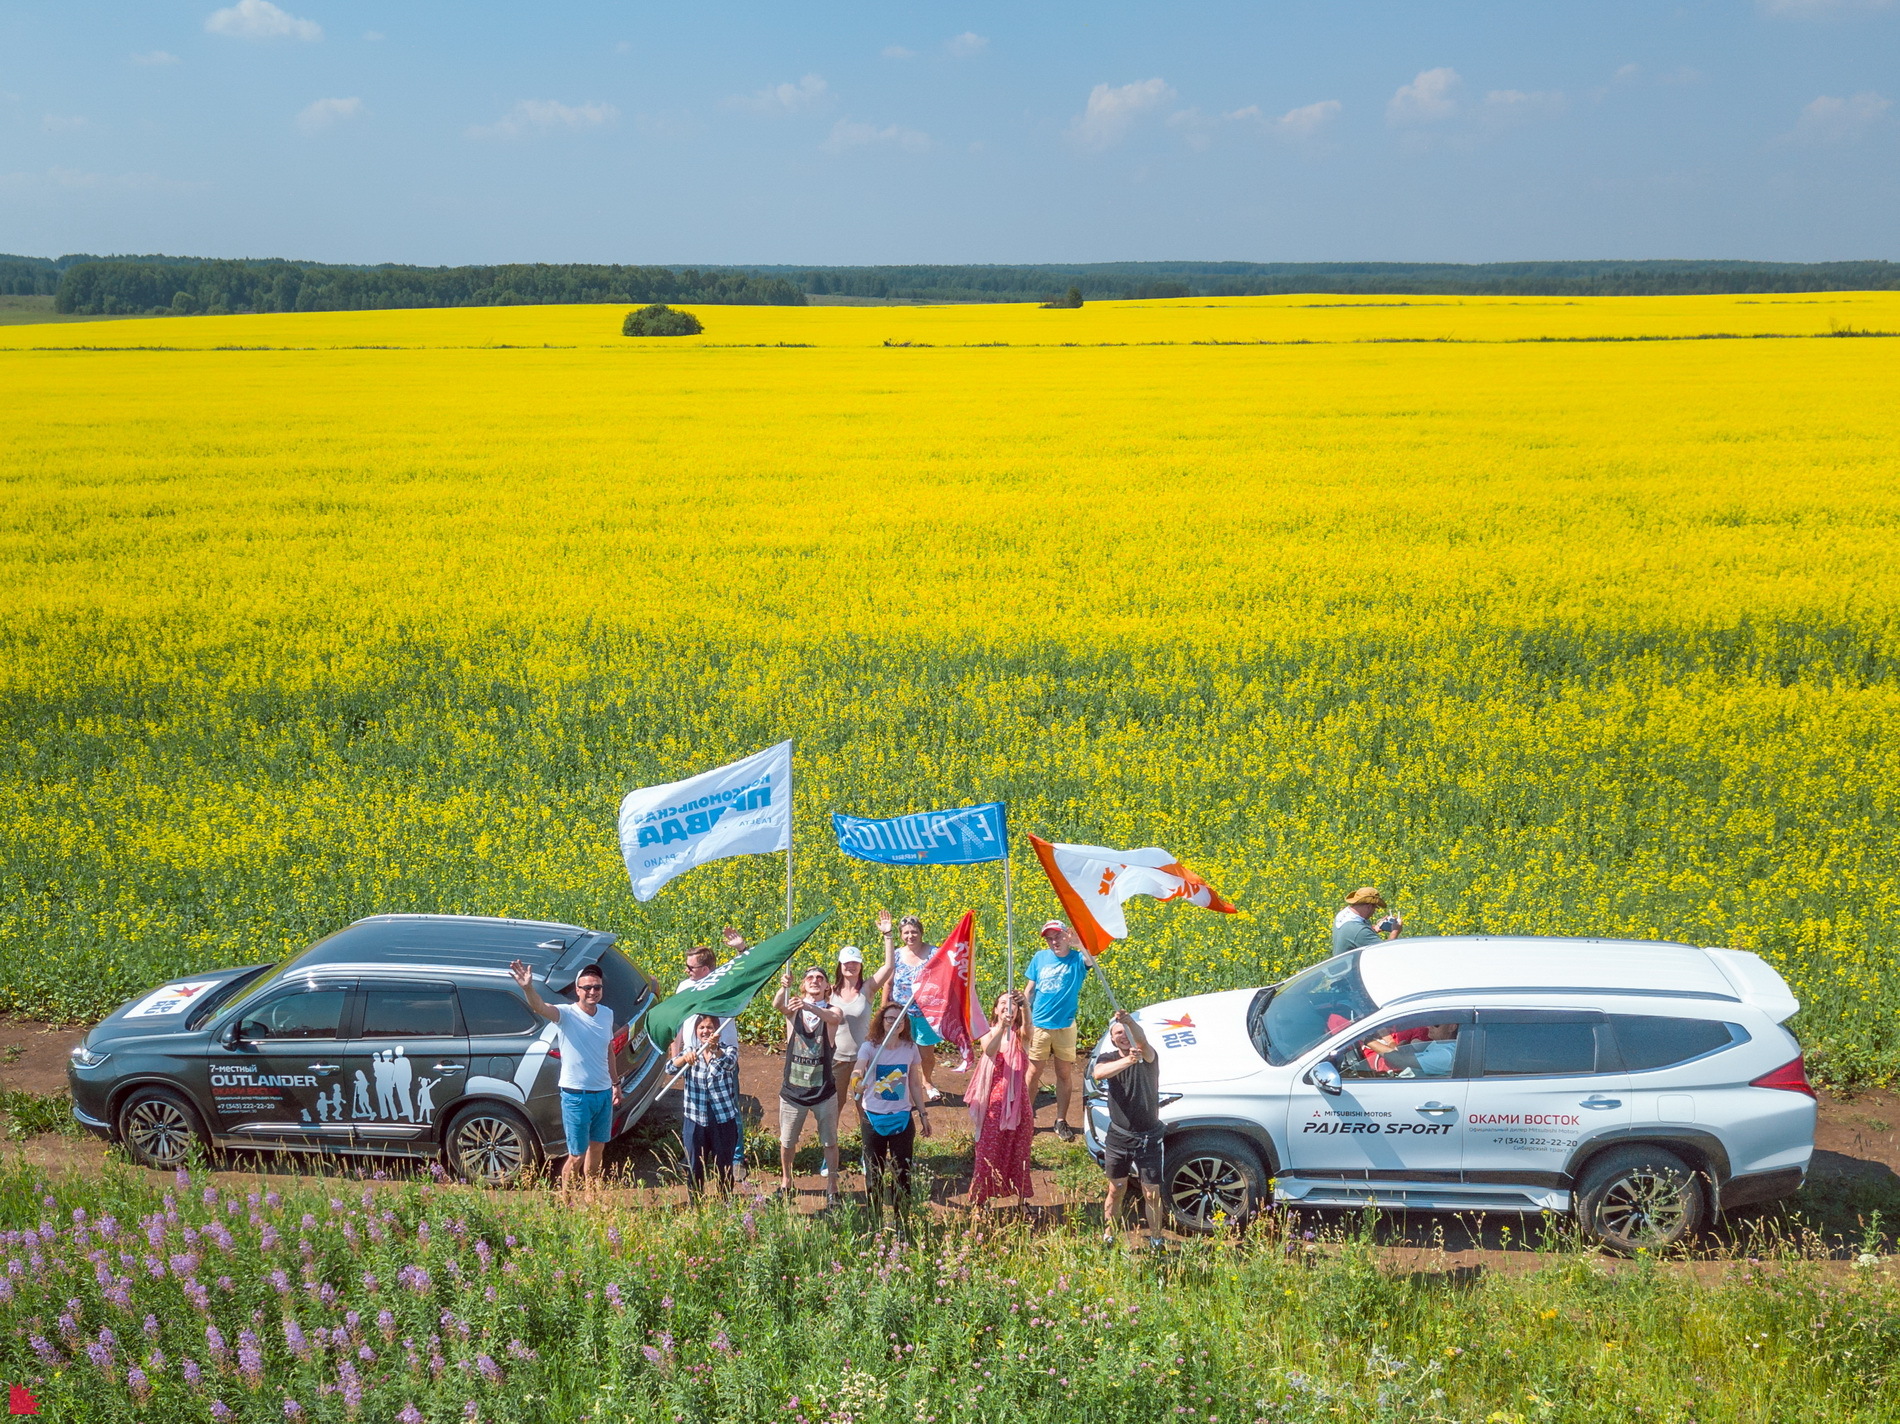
[(1544, 615)]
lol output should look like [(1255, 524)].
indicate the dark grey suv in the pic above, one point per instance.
[(400, 1036)]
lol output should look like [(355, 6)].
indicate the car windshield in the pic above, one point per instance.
[(1287, 1020)]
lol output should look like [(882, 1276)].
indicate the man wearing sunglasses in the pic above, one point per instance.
[(589, 1094)]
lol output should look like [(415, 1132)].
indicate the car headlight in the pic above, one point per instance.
[(84, 1057)]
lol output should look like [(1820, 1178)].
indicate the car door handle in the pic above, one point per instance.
[(324, 1067), (449, 1068), (1437, 1107), (1601, 1102)]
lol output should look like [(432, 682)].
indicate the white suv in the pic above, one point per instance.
[(1642, 1087)]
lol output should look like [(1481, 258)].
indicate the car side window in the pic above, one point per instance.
[(409, 1011), (1648, 1041), (316, 1013), (1417, 1046), (1540, 1049), (489, 1012)]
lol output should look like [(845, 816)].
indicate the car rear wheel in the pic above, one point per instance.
[(1640, 1199), (491, 1145), (160, 1129), (1211, 1181)]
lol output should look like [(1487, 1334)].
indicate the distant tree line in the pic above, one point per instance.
[(1112, 280), (135, 287), (126, 285)]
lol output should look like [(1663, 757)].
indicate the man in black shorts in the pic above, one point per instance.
[(1128, 1071)]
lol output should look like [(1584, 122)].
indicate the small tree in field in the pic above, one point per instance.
[(659, 320), (1069, 301)]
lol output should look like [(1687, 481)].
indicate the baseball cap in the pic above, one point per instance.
[(1367, 895), (849, 955), (1051, 925)]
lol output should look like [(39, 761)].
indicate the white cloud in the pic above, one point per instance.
[(64, 123), (261, 20), (1831, 120), (156, 57), (808, 93), (897, 52), (1111, 110), (1627, 74), (967, 44), (1513, 105), (1307, 121), (542, 116), (374, 36), (325, 112), (846, 136), (1427, 99), (1820, 9)]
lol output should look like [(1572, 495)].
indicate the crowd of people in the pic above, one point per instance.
[(857, 1042)]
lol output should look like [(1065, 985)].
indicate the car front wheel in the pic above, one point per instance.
[(1210, 1181), (491, 1145), (1640, 1199), (160, 1129)]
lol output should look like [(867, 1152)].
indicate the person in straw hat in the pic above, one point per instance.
[(1353, 926)]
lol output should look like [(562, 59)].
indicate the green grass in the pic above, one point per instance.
[(738, 1312), (26, 1114)]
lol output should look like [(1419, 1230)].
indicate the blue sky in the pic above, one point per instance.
[(1276, 130)]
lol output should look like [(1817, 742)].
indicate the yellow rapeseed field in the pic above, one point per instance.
[(1545, 614)]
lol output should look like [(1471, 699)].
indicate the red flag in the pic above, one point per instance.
[(941, 994)]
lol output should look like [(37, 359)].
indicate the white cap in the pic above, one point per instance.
[(849, 955)]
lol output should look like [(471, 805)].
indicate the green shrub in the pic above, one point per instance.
[(660, 320)]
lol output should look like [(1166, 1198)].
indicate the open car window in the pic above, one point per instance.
[(1427, 1045)]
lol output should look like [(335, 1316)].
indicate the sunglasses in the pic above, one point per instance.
[(588, 988)]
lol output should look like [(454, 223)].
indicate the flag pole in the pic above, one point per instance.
[(791, 804), (1009, 919)]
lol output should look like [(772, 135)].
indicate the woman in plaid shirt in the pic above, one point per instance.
[(711, 1129)]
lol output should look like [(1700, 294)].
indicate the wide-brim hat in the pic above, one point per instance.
[(1367, 895)]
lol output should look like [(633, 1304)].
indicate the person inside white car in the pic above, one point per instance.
[(1401, 1055)]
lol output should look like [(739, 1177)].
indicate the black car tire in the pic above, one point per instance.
[(1640, 1199), (160, 1128), (491, 1145), (1211, 1181)]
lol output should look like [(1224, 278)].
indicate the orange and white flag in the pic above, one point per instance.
[(1092, 882)]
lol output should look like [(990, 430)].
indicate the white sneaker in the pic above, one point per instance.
[(824, 1169)]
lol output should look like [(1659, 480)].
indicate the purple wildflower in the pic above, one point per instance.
[(410, 1415), (292, 1409), (197, 1294), (101, 1359), (471, 1410), (267, 1239), (490, 1370), (188, 1367), (214, 1342), (151, 1327), (370, 1283), (386, 1323), (184, 1263), (614, 1298), (220, 1411), (484, 1253), (520, 1351), (352, 1385), (416, 1278), (44, 1349), (250, 1359), (294, 1338), (279, 1282), (137, 1384)]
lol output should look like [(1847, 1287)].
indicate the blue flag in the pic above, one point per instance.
[(965, 836)]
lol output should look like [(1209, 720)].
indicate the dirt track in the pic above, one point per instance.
[(1856, 1167)]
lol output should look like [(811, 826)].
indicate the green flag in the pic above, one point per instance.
[(730, 987)]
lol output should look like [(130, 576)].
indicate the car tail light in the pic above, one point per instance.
[(1791, 1077), (555, 1054), (619, 1045)]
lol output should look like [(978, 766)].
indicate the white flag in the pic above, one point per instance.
[(741, 809), (1092, 882)]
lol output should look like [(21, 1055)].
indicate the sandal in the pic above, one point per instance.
[(1065, 1132)]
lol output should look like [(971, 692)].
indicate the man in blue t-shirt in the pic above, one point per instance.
[(1054, 984)]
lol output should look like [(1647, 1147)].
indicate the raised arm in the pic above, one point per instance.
[(524, 976), (1136, 1033), (889, 967)]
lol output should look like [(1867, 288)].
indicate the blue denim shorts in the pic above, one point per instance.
[(586, 1117)]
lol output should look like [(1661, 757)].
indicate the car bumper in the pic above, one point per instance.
[(91, 1123), (1758, 1187)]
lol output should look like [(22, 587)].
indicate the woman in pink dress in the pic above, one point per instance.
[(1002, 1108)]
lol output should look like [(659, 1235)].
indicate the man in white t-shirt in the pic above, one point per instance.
[(589, 1093)]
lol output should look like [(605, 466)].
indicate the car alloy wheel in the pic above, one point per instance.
[(1644, 1207), (1211, 1181), (1640, 1199), (491, 1146), (159, 1131)]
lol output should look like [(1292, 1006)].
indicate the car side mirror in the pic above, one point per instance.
[(1325, 1076), (229, 1038)]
